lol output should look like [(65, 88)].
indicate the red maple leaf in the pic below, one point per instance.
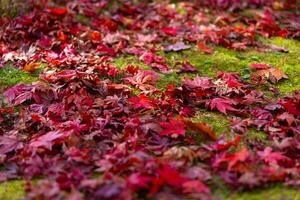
[(222, 105), (259, 66), (57, 11), (172, 128), (49, 139), (198, 82), (194, 186), (142, 102), (172, 31), (8, 144), (137, 180), (271, 157), (171, 176), (203, 47), (238, 157)]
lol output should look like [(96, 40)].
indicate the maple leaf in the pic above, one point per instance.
[(187, 67), (171, 31), (272, 74), (182, 153), (273, 47), (222, 105), (271, 157), (163, 68), (137, 180), (291, 105), (178, 46), (250, 179), (102, 48), (259, 66), (9, 144), (31, 67), (198, 82), (232, 79), (171, 176), (48, 140), (57, 11), (143, 77), (23, 97), (172, 128), (193, 186), (203, 47), (221, 145), (289, 118), (142, 102), (201, 127), (238, 157), (12, 93), (95, 36)]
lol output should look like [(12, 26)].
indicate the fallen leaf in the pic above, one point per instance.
[(202, 128), (272, 74), (178, 46), (8, 144), (260, 66), (142, 102), (172, 128), (32, 67), (57, 11), (222, 105), (203, 47)]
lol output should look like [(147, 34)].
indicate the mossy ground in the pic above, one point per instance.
[(10, 76), (208, 65), (12, 190)]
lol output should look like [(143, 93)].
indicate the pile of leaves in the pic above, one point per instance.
[(89, 130)]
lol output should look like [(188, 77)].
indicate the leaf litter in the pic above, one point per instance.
[(84, 117)]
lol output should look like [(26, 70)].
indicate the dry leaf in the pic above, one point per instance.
[(31, 67), (201, 127), (272, 74), (180, 153)]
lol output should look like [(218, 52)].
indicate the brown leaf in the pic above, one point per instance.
[(31, 67), (180, 153), (201, 127), (272, 74)]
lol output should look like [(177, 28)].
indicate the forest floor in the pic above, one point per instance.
[(285, 57), (208, 65)]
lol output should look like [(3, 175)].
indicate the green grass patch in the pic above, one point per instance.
[(12, 190), (277, 192), (10, 76), (218, 121)]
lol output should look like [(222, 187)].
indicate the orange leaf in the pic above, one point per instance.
[(201, 127), (31, 67)]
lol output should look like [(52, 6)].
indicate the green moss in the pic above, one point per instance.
[(9, 7), (276, 192), (218, 121), (10, 76), (12, 190), (256, 135), (123, 61)]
